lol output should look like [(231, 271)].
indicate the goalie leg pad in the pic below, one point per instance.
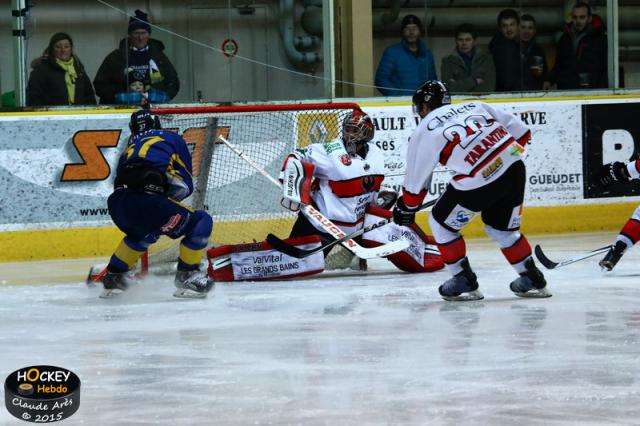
[(260, 261), (421, 256)]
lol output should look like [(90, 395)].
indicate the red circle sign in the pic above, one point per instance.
[(229, 47)]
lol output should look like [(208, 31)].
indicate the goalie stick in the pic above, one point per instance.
[(549, 264), (299, 253), (329, 227)]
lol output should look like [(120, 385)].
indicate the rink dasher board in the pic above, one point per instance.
[(50, 217)]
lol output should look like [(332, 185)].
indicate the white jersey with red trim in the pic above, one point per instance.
[(344, 184), (474, 140)]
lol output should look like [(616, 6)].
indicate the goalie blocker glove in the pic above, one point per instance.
[(296, 179), (404, 215), (613, 172)]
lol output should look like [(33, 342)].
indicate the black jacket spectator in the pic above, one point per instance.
[(581, 58), (532, 56), (506, 57), (144, 57), (47, 84), (112, 78)]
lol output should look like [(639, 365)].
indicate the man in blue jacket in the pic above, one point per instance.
[(406, 65)]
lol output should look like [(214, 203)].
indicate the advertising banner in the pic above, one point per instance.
[(57, 170)]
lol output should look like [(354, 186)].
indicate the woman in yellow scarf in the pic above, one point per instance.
[(58, 77)]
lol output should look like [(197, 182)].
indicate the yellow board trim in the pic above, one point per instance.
[(18, 246)]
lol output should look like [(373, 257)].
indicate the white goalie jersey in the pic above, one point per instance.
[(344, 185), (474, 140)]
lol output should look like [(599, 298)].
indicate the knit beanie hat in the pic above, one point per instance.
[(411, 19), (140, 22)]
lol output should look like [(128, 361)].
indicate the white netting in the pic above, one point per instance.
[(244, 204)]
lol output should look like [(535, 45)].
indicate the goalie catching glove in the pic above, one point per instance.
[(613, 172), (296, 176)]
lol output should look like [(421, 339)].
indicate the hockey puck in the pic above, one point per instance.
[(42, 393)]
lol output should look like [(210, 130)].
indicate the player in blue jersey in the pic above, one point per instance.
[(153, 176)]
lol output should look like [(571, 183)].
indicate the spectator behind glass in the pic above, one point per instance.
[(468, 68), (139, 54), (581, 52), (58, 77), (140, 92), (505, 49), (535, 73), (406, 65)]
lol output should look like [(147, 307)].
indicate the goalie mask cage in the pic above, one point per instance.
[(244, 205)]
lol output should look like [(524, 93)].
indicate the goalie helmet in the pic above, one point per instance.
[(357, 130), (432, 93), (143, 121)]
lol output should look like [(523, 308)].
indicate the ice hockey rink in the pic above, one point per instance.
[(345, 348)]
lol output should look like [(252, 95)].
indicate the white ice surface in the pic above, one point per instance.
[(356, 349)]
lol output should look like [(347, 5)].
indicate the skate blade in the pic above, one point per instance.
[(605, 266), (185, 293), (472, 295), (536, 293), (110, 293)]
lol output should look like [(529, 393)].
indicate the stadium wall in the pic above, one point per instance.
[(57, 169)]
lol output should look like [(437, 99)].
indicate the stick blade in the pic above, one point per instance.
[(288, 249), (383, 250), (544, 260)]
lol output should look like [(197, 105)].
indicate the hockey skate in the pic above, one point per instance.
[(463, 286), (192, 284), (530, 283), (613, 256), (115, 283)]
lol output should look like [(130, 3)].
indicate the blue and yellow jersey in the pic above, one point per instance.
[(163, 150)]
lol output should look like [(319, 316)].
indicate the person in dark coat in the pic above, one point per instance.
[(58, 77), (468, 68), (406, 65), (581, 52), (535, 73), (505, 48), (142, 55)]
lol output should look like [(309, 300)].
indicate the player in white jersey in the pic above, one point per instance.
[(483, 147), (342, 179), (348, 173), (630, 232)]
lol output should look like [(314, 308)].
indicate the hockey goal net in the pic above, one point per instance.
[(244, 205)]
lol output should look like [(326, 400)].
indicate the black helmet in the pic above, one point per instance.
[(143, 120), (434, 93)]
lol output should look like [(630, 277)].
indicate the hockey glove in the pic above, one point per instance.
[(403, 215), (613, 172)]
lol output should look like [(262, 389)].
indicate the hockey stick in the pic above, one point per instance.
[(299, 253), (323, 222), (549, 264)]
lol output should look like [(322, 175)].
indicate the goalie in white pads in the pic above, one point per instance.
[(484, 147), (342, 180)]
